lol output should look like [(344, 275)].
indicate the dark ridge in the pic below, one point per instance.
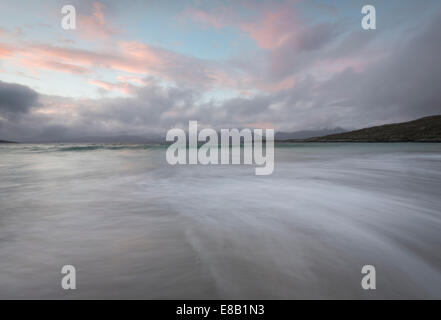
[(427, 129), (3, 141)]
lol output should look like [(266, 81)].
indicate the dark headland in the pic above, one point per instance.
[(427, 129), (3, 141)]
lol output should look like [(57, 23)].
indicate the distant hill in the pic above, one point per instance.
[(3, 141), (426, 129), (305, 134)]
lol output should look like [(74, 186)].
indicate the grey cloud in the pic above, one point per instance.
[(400, 86), (403, 85), (317, 36), (16, 100), (299, 53)]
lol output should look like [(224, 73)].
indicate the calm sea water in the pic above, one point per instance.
[(136, 227)]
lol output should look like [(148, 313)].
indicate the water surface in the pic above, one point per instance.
[(136, 227)]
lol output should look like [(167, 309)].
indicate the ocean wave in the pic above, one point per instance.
[(85, 148)]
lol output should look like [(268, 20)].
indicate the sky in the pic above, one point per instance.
[(144, 67)]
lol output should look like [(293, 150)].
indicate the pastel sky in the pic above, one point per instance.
[(140, 67)]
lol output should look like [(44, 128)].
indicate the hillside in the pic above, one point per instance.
[(426, 129), (305, 134)]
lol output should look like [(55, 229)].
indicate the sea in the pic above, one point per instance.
[(135, 227)]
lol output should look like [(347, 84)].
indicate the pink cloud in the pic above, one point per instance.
[(214, 20), (270, 26), (277, 28), (87, 58), (137, 80), (96, 25), (141, 52), (139, 59), (132, 57), (54, 65), (5, 51), (274, 28), (123, 87)]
